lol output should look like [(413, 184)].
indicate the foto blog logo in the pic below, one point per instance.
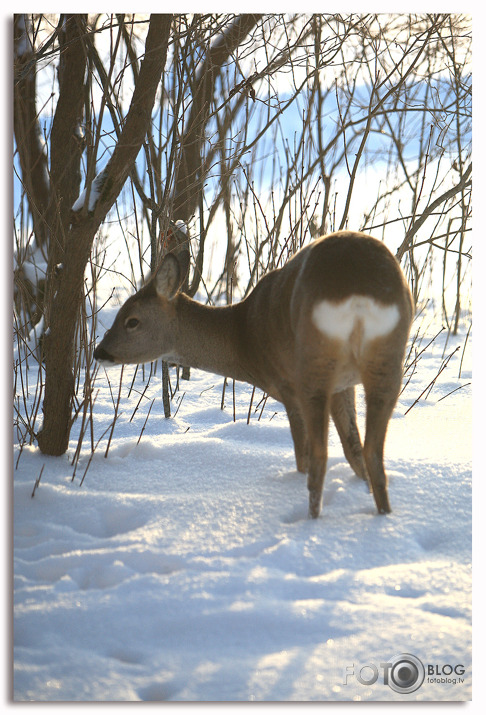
[(404, 673)]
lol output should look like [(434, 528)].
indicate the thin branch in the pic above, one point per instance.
[(429, 210)]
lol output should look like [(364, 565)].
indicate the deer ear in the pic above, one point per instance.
[(171, 274)]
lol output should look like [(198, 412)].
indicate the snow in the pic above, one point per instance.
[(94, 193), (33, 265), (184, 568)]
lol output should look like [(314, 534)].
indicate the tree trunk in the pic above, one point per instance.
[(59, 342), (66, 300)]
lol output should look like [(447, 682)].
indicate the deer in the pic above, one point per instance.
[(336, 315)]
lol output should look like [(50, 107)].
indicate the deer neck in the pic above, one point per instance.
[(212, 338)]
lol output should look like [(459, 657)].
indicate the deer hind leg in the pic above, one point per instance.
[(381, 381), (343, 412)]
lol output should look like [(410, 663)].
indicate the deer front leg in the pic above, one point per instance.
[(299, 435), (343, 412)]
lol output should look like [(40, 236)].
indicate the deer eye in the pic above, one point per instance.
[(131, 323)]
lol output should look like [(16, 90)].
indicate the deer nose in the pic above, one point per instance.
[(101, 355)]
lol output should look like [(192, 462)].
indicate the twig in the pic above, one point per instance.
[(264, 400), (454, 390), (87, 403), (140, 400), (251, 403), (37, 481), (131, 387), (117, 405), (207, 389), (431, 384), (420, 353), (179, 405), (165, 389), (464, 350), (96, 446), (223, 392), (460, 186), (146, 419)]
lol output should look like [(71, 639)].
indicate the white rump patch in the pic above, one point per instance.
[(337, 320)]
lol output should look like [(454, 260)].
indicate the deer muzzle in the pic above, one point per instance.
[(101, 355)]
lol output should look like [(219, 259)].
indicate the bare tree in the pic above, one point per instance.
[(263, 131), (70, 243)]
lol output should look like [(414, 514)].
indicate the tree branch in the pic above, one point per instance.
[(139, 114), (416, 225), (32, 157), (187, 179)]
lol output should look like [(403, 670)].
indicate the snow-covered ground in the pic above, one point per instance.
[(185, 567)]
